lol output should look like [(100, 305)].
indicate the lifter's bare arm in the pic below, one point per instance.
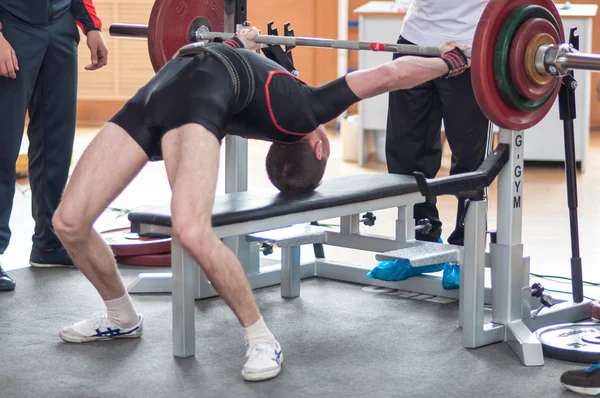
[(402, 73)]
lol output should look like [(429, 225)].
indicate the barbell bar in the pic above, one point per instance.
[(407, 49), (578, 60), (128, 31), (568, 57), (202, 33), (562, 57)]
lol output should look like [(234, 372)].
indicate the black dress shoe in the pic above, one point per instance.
[(6, 282)]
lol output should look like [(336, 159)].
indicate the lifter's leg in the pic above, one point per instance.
[(191, 155), (100, 175)]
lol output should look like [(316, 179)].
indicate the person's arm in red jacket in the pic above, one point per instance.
[(85, 14), (88, 21)]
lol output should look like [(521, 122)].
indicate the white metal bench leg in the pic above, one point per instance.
[(185, 277), (476, 333), (290, 272)]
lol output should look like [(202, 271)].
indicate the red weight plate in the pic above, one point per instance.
[(595, 305), (151, 260), (482, 66), (124, 243), (520, 44), (171, 21)]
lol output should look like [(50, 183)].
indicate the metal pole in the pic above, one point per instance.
[(236, 151), (567, 113), (342, 54)]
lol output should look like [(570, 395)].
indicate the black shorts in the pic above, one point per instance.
[(186, 90)]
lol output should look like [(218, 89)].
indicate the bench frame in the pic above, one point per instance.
[(510, 296), (189, 282)]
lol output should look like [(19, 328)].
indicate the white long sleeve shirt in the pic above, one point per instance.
[(432, 22)]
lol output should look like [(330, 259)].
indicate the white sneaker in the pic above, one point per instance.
[(98, 327), (264, 362)]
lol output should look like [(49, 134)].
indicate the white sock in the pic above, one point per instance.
[(121, 312), (259, 333)]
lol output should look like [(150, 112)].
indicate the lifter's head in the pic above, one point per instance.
[(298, 168)]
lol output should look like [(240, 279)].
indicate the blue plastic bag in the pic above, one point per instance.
[(451, 277), (399, 270)]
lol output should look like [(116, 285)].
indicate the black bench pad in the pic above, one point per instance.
[(240, 207)]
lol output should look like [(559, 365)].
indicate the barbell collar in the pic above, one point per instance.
[(540, 58), (551, 56), (557, 60)]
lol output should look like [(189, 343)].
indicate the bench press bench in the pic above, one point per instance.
[(258, 214), (245, 213)]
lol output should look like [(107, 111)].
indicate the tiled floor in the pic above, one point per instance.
[(545, 223)]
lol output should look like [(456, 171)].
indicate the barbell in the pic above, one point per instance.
[(203, 33), (518, 57)]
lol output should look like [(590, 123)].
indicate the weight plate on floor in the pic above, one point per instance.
[(517, 18), (172, 22), (530, 52), (574, 342), (125, 243), (482, 66), (524, 86), (595, 310), (151, 260)]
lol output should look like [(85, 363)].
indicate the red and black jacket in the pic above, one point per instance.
[(44, 12)]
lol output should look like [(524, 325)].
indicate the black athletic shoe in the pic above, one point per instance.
[(6, 282), (583, 381), (457, 237), (50, 258)]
